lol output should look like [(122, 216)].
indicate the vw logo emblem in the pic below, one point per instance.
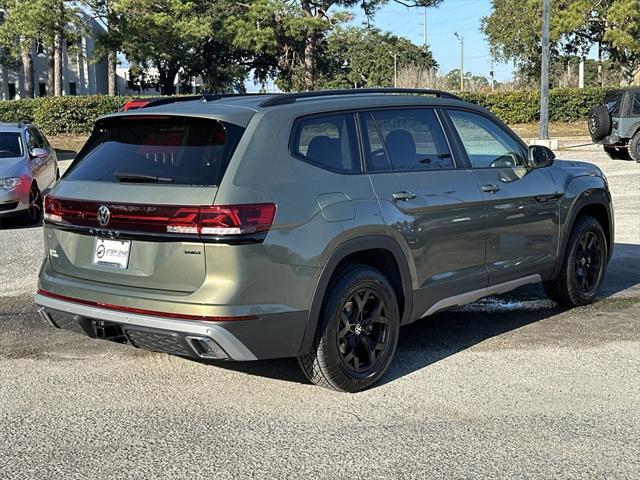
[(104, 215)]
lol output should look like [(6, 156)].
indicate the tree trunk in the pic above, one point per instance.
[(310, 52), (112, 61), (27, 66), (166, 78), (50, 80), (57, 65)]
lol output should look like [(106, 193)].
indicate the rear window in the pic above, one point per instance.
[(10, 145), (172, 150), (612, 101)]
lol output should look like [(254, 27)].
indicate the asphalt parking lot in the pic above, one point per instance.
[(510, 386)]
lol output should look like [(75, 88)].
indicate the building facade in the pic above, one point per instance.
[(81, 73)]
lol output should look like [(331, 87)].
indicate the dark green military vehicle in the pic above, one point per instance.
[(616, 124), (311, 225)]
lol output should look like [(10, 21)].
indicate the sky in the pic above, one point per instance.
[(461, 16)]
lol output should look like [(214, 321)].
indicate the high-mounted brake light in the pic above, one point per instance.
[(202, 221)]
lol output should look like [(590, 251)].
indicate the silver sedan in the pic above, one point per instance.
[(28, 167)]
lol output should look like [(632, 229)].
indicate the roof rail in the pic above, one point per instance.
[(23, 123), (205, 97), (285, 98)]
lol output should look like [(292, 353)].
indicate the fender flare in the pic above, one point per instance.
[(340, 253), (585, 199)]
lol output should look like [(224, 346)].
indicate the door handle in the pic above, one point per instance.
[(490, 188), (404, 195)]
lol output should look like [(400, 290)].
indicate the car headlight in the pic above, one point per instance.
[(9, 182)]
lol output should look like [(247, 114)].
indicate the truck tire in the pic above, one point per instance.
[(634, 147), (583, 265), (599, 122), (357, 331)]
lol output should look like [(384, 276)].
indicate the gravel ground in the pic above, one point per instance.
[(507, 387)]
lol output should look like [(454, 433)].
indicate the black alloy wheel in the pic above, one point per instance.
[(362, 331), (588, 262)]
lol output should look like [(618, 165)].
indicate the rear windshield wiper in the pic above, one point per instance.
[(141, 178)]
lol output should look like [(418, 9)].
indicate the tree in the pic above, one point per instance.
[(514, 26), (294, 31), (106, 11), (164, 33), (361, 57), (25, 23)]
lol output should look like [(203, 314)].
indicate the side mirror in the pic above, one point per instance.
[(540, 156), (39, 153)]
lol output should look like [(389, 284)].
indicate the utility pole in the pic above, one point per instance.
[(461, 39), (544, 77), (395, 70), (426, 40), (492, 75)]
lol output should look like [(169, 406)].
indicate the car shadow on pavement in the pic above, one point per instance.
[(17, 222), (444, 334)]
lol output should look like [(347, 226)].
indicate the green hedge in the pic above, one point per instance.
[(61, 114), (523, 106), (77, 114)]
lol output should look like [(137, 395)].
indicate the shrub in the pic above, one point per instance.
[(523, 106), (14, 111), (73, 114)]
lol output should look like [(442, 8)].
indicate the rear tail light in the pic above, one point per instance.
[(201, 221)]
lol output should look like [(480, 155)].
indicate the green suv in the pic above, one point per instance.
[(310, 225)]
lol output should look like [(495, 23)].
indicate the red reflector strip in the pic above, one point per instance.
[(141, 311)]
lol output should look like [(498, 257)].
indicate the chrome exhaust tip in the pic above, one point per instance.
[(206, 348)]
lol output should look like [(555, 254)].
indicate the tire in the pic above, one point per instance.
[(583, 267), (33, 214), (599, 122), (634, 147), (341, 357), (616, 153)]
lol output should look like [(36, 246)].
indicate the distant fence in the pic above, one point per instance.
[(76, 115)]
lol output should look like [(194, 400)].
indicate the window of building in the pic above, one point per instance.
[(73, 89), (328, 141), (42, 89), (13, 91)]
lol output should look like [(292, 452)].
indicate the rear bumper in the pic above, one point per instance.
[(268, 336)]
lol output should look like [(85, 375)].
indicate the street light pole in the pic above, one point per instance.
[(461, 39), (544, 76)]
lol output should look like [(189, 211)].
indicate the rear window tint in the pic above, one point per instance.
[(175, 150), (10, 145), (328, 141)]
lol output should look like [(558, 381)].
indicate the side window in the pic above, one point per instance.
[(406, 139), (32, 140), (39, 138), (486, 143), (636, 104), (328, 141)]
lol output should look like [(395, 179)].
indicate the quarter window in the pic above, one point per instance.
[(405, 140), (328, 141), (636, 104), (486, 143)]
